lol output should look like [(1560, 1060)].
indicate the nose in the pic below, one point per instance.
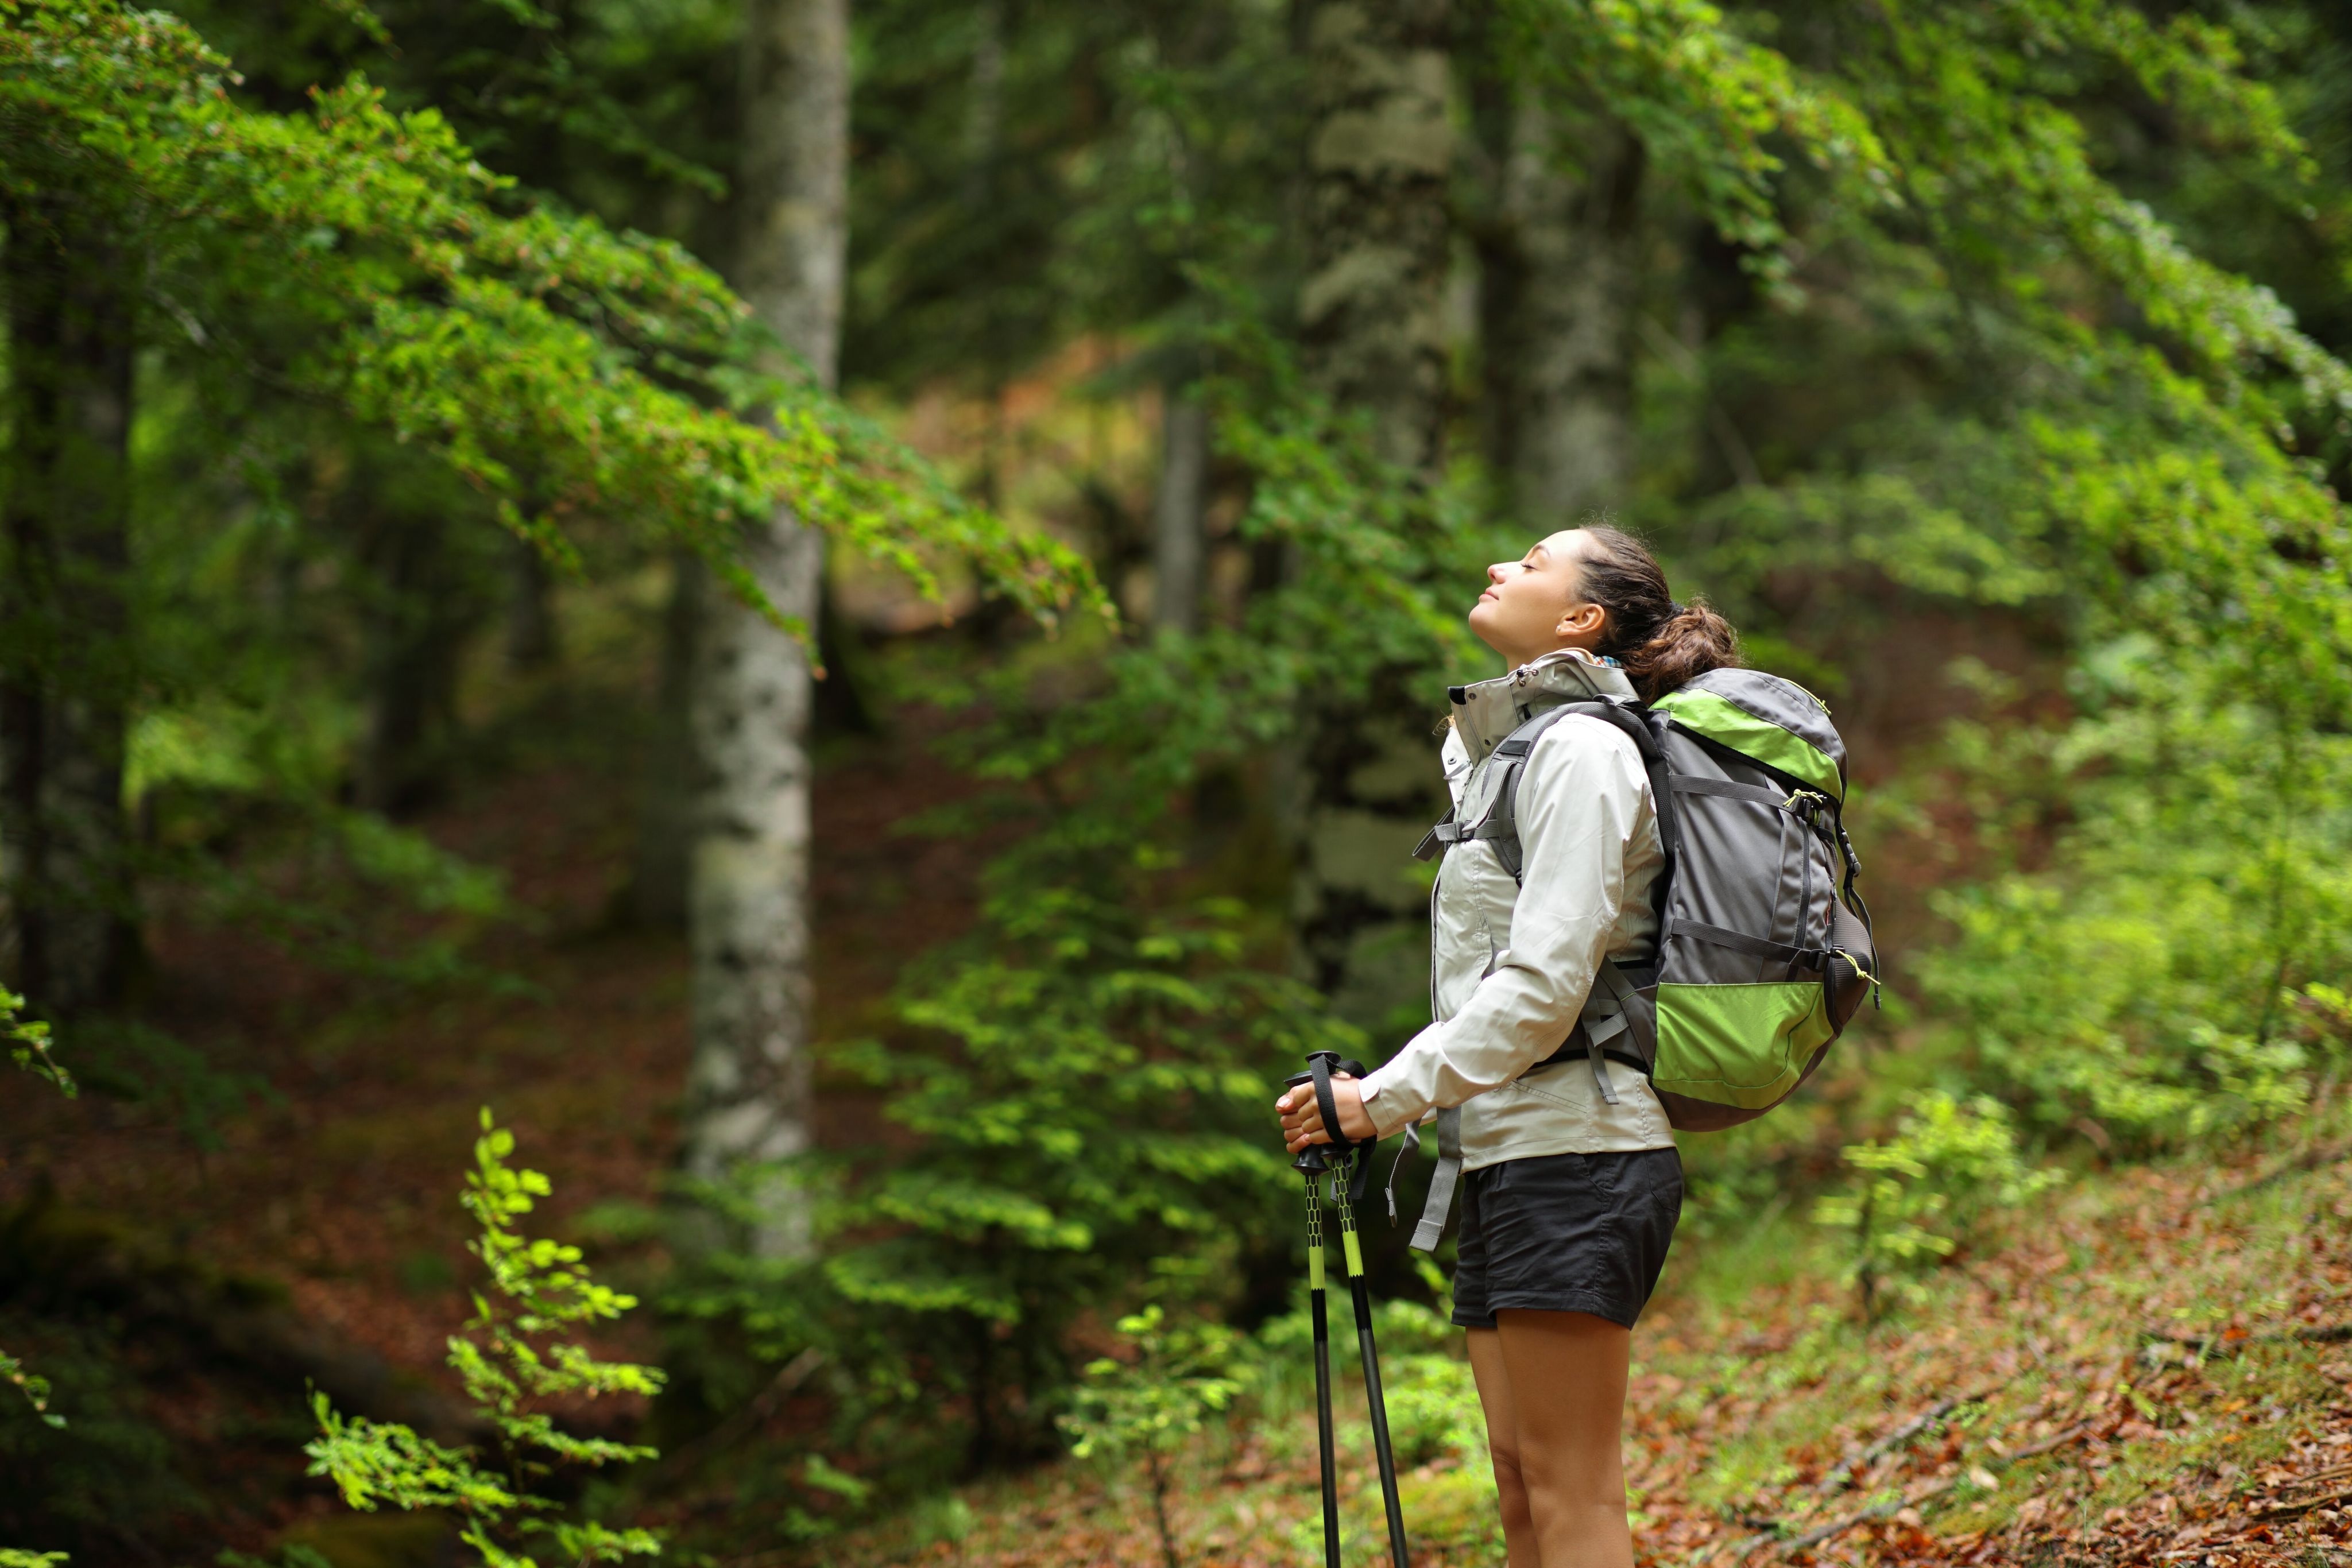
[(1496, 573)]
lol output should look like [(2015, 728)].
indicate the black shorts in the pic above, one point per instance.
[(1566, 1233)]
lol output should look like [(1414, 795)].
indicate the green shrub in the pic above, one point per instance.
[(1093, 1104), (2140, 985), (1917, 1193)]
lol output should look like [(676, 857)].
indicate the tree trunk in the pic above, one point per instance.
[(1372, 313), (423, 610), (1562, 284), (1178, 543), (1372, 309), (65, 652), (749, 1091), (533, 641)]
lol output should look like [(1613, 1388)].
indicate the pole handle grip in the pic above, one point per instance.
[(1321, 1065)]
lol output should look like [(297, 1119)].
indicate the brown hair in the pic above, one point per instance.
[(1661, 643)]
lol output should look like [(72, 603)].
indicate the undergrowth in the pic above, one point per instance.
[(2149, 1355)]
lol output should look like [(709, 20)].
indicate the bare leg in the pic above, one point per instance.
[(1563, 1385), (1503, 1443)]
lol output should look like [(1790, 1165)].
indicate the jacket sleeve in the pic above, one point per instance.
[(1581, 799)]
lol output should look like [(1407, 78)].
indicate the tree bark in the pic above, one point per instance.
[(1178, 542), (1373, 314), (65, 660), (1562, 282), (748, 1095), (1372, 309)]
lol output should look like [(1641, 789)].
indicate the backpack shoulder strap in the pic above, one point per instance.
[(1499, 827), (1501, 823)]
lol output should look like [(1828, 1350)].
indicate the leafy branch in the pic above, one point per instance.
[(28, 1045), (511, 1358)]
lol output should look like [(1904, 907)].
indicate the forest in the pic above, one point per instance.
[(698, 698)]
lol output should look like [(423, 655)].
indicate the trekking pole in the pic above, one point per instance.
[(1310, 1160), (1350, 1163)]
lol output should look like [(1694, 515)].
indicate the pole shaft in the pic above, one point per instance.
[(1382, 1452), (1327, 1445), (1381, 1449)]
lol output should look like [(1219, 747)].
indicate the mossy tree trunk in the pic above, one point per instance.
[(1561, 285), (1372, 313), (1378, 243)]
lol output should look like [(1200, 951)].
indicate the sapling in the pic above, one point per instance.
[(512, 1359), (1148, 1407), (1948, 1161)]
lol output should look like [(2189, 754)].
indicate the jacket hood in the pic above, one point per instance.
[(1486, 711)]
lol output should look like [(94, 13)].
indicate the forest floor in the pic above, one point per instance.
[(2150, 1366), (262, 1185), (2153, 1367)]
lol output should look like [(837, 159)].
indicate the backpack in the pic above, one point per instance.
[(1764, 947)]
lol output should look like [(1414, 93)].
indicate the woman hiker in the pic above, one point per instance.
[(1569, 1196)]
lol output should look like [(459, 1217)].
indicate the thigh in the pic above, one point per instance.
[(1494, 1381), (1565, 1373)]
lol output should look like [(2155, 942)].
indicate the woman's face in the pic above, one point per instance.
[(1536, 605)]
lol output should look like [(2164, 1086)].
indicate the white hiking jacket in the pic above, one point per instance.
[(1510, 964)]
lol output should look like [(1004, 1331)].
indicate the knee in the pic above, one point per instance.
[(1510, 1480)]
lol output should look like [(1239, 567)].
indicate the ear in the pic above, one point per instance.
[(1580, 621)]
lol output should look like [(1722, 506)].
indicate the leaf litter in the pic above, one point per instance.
[(2153, 1368)]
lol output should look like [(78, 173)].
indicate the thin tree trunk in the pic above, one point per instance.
[(65, 654), (1157, 1465), (416, 628), (1372, 312), (1563, 286), (532, 642), (748, 1090), (1178, 542)]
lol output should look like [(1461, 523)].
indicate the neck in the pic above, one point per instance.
[(1517, 662)]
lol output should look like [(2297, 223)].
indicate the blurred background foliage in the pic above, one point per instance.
[(375, 392)]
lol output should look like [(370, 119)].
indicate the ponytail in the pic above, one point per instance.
[(1662, 644)]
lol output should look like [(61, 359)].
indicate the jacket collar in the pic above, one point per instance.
[(1486, 711)]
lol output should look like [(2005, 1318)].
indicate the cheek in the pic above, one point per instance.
[(1531, 606)]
